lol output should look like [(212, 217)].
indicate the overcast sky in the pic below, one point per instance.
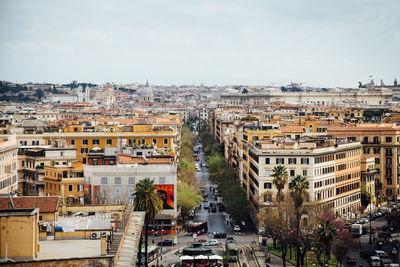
[(315, 42)]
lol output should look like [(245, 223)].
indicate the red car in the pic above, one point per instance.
[(202, 240), (351, 261)]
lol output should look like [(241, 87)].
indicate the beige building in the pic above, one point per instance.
[(19, 233), (8, 165), (324, 163)]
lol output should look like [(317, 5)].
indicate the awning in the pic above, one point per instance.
[(201, 257), (215, 257), (186, 258)]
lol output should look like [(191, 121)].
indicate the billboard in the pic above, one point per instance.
[(166, 191)]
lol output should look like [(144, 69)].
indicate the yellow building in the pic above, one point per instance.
[(66, 182), (368, 173), (8, 165), (19, 233)]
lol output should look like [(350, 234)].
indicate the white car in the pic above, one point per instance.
[(213, 242), (236, 228)]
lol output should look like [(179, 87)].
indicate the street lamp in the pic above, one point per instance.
[(370, 198)]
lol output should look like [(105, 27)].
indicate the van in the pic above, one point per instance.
[(374, 261), (380, 253)]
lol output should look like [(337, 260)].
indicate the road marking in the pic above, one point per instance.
[(244, 255), (254, 256)]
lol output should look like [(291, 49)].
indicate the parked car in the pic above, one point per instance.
[(219, 235), (166, 242), (80, 213), (206, 205), (351, 261), (236, 228), (201, 240)]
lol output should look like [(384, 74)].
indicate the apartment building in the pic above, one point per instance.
[(164, 138), (66, 182), (331, 166), (32, 161), (368, 173), (8, 165), (381, 142)]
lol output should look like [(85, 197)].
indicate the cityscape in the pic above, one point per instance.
[(155, 139)]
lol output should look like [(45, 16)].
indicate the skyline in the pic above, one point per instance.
[(316, 43)]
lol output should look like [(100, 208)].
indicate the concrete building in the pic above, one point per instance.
[(8, 165), (19, 234), (331, 167), (382, 142), (355, 98), (32, 161)]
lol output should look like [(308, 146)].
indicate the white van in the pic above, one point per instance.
[(374, 261), (380, 253)]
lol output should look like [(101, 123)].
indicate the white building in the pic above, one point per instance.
[(8, 165)]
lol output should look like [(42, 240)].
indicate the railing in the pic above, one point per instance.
[(125, 219)]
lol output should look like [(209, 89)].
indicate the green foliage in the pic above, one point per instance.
[(365, 196), (236, 202), (147, 199), (281, 176), (188, 198)]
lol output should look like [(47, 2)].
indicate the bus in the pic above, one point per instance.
[(198, 228), (152, 253)]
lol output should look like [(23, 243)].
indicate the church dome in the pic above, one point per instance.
[(147, 93)]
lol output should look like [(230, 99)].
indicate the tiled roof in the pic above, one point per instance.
[(45, 204)]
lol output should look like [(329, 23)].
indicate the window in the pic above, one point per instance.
[(267, 198), (267, 161), (84, 160), (366, 150), (304, 172), (131, 180), (292, 160), (72, 142), (165, 141), (292, 173), (95, 141), (84, 150), (154, 141), (161, 180), (376, 140), (377, 160), (267, 185), (117, 180), (103, 180), (81, 187), (377, 150), (84, 142), (49, 142), (70, 188), (40, 218), (280, 161), (109, 141), (388, 139), (267, 172), (304, 160)]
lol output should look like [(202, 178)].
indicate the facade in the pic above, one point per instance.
[(368, 173), (66, 182), (33, 160), (381, 142), (8, 165), (20, 231), (333, 171), (357, 98)]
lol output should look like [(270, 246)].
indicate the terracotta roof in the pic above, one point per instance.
[(292, 129), (45, 204)]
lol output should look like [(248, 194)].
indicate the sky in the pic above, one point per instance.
[(322, 43)]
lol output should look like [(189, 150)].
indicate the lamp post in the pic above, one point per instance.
[(370, 199)]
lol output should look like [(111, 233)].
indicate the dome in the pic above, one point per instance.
[(147, 93)]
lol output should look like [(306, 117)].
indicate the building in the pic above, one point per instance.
[(19, 234), (66, 182), (381, 142), (8, 165), (115, 184), (368, 173), (331, 166), (33, 159)]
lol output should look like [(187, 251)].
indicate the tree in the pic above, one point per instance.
[(280, 175), (39, 94), (188, 198), (148, 200), (298, 187), (343, 243), (326, 234), (245, 91)]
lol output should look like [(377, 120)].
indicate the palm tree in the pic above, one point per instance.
[(280, 175), (147, 199), (298, 187), (326, 234)]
